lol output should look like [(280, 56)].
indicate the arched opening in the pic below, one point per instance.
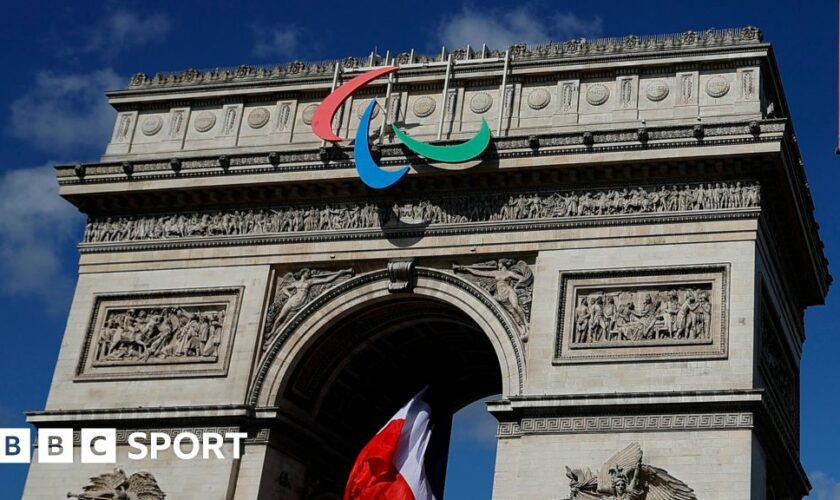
[(363, 365)]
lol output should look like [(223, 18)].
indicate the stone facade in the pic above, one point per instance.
[(627, 266)]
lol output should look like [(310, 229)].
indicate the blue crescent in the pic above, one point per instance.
[(370, 173)]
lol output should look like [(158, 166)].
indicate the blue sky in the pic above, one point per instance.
[(61, 56)]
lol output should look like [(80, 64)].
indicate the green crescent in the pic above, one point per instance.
[(449, 154)]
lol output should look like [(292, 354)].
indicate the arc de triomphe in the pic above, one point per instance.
[(627, 265)]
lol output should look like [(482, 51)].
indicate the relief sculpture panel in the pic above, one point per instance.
[(293, 291), (160, 333), (640, 313), (489, 208)]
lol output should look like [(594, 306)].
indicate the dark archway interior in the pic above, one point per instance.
[(363, 368)]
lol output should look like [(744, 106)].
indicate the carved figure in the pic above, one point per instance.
[(141, 335), (294, 291), (648, 316), (510, 282), (443, 210), (625, 477), (117, 486)]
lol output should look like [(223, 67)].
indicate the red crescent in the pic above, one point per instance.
[(323, 117)]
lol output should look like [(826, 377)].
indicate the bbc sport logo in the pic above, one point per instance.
[(99, 446)]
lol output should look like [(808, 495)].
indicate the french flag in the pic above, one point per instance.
[(390, 466)]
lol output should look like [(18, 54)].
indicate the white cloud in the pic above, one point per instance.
[(36, 226), (475, 424), (123, 29), (526, 23), (825, 487), (278, 42), (62, 112)]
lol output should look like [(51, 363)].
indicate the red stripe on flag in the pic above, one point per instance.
[(374, 476)]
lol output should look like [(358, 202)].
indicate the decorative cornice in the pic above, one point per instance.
[(505, 147), (551, 51), (626, 423)]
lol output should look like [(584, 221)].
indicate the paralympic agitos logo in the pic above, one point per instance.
[(369, 171)]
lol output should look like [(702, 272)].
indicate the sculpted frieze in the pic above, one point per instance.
[(644, 313), (293, 291), (432, 211), (160, 334), (625, 477), (510, 282), (179, 332), (118, 485)]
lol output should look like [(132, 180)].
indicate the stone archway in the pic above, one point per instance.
[(353, 356)]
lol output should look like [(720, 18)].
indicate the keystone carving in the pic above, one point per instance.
[(401, 274), (510, 282), (116, 485), (625, 477)]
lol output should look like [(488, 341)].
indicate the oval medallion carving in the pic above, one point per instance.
[(597, 94), (363, 107), (308, 113), (539, 98), (481, 102), (717, 86), (423, 107), (258, 118), (657, 90), (204, 121), (152, 125)]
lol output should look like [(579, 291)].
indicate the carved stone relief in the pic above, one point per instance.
[(160, 335), (657, 90), (258, 117), (490, 208), (423, 107), (230, 120), (283, 114), (293, 291), (117, 485), (748, 85), (308, 113), (152, 125), (717, 86), (362, 106), (510, 282), (539, 99), (394, 108), (481, 103), (597, 94), (205, 121), (123, 128), (567, 97), (624, 477), (687, 88), (176, 121), (143, 335), (625, 92), (642, 313), (450, 104)]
